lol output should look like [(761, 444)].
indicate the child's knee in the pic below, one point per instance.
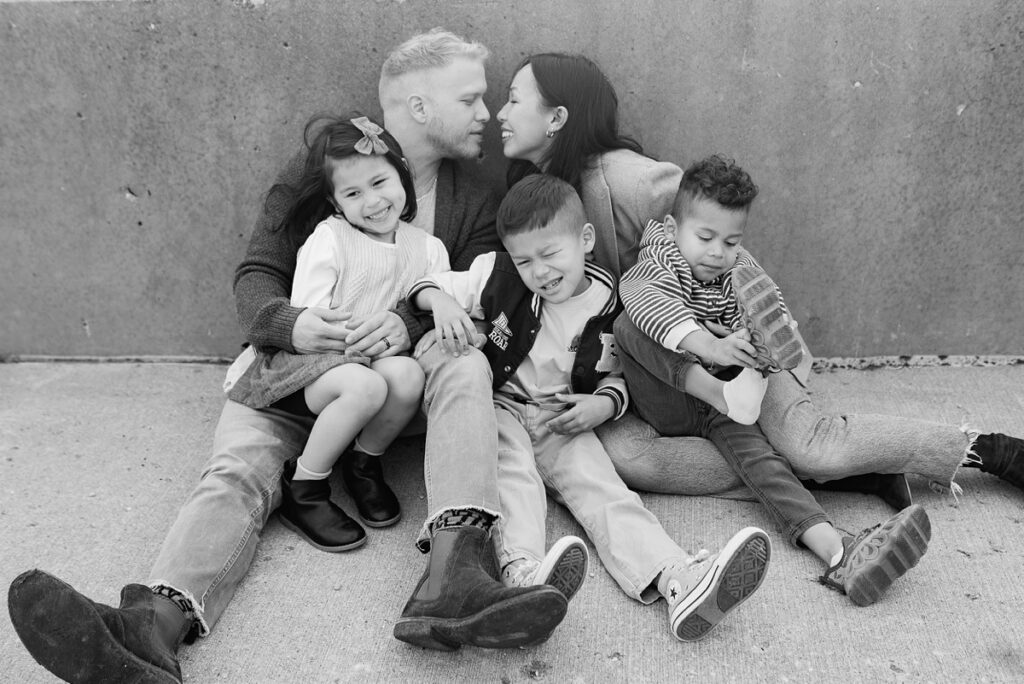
[(405, 379)]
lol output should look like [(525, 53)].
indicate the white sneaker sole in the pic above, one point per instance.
[(735, 574), (565, 566)]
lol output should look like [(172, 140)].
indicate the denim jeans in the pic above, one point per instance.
[(661, 401), (818, 446), (576, 470), (460, 467), (211, 544)]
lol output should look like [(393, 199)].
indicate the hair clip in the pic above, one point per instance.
[(370, 143)]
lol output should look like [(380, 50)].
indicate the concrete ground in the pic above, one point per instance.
[(95, 460)]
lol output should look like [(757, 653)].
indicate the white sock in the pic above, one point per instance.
[(743, 395), (304, 473), (358, 446)]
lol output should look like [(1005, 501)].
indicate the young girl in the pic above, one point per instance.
[(361, 258)]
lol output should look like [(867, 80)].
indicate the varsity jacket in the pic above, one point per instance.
[(492, 291)]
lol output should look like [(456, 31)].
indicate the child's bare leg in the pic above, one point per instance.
[(344, 399), (405, 379), (739, 398), (825, 542), (360, 468)]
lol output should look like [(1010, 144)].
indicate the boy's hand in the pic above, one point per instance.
[(588, 411), (454, 330), (732, 350)]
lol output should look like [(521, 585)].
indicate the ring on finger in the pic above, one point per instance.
[(387, 343)]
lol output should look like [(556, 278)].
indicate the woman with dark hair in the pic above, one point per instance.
[(561, 118)]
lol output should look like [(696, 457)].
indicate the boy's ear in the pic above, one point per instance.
[(589, 237), (670, 224)]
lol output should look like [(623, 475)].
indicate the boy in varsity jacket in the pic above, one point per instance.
[(548, 316)]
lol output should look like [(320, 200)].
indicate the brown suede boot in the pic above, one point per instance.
[(88, 643), (459, 599)]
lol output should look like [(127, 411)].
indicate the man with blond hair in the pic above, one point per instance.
[(431, 93)]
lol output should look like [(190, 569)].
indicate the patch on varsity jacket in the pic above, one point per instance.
[(609, 361), (500, 331)]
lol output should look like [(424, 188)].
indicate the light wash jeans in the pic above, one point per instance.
[(576, 470), (461, 451), (671, 411), (818, 446), (211, 544)]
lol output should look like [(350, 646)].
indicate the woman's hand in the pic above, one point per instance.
[(378, 335), (319, 330)]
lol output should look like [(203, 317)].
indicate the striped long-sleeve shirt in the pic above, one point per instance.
[(665, 300)]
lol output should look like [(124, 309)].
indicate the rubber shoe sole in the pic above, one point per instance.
[(565, 566), (329, 549), (887, 554), (736, 573), (518, 621), (66, 634), (762, 314)]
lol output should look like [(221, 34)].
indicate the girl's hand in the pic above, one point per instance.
[(379, 335), (588, 411), (319, 330), (454, 330)]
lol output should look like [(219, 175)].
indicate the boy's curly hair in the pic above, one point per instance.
[(717, 179)]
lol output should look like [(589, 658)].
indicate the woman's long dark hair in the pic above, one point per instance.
[(330, 137), (578, 84)]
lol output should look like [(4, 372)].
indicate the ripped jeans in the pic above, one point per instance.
[(818, 446)]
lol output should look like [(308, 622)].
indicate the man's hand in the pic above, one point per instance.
[(320, 331), (588, 411), (378, 335)]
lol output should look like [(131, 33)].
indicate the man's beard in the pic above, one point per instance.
[(453, 147)]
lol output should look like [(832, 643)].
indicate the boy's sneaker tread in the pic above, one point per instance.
[(760, 306)]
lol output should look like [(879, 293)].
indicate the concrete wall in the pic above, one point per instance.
[(136, 140)]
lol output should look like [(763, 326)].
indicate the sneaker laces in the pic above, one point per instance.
[(519, 573)]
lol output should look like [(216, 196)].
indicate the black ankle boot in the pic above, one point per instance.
[(1002, 456), (459, 599), (307, 509), (892, 489), (86, 642), (364, 478)]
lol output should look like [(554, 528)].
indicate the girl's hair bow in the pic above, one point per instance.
[(370, 143)]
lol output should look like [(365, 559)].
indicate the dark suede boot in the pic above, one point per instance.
[(86, 642), (459, 599), (1002, 456), (364, 479), (307, 509), (892, 489)]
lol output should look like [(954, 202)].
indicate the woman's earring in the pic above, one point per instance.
[(550, 133)]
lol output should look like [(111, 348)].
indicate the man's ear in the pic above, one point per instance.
[(417, 108), (558, 119)]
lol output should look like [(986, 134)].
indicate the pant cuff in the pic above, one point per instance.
[(192, 609), (455, 516)]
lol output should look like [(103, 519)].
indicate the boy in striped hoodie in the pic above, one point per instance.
[(691, 281)]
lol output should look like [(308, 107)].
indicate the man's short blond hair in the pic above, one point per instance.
[(430, 50)]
